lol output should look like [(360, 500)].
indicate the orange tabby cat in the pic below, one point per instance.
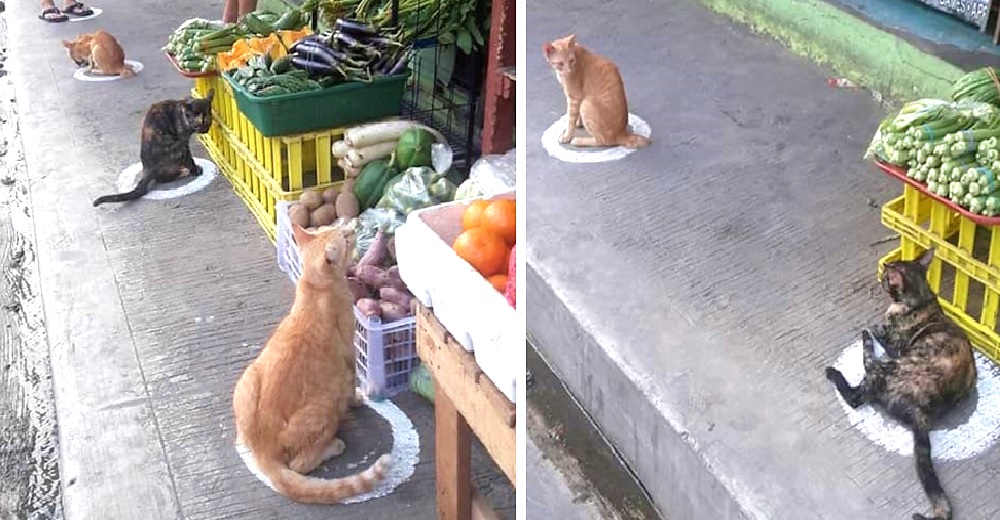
[(290, 401), (101, 52), (595, 96)]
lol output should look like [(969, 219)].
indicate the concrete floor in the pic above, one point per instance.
[(691, 294), (153, 309)]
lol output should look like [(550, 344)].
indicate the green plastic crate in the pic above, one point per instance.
[(334, 107)]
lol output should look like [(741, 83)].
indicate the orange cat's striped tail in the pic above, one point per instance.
[(127, 71), (634, 141), (312, 490)]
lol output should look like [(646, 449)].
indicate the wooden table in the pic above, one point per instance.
[(465, 402)]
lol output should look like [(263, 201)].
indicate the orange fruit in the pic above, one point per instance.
[(473, 215), (483, 249), (500, 216), (499, 282)]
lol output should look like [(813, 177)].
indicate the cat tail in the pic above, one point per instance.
[(940, 505), (311, 490), (140, 189), (127, 71), (634, 141)]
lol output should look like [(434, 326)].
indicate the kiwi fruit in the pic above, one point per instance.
[(330, 196), (347, 204), (311, 200), (324, 215), (299, 215)]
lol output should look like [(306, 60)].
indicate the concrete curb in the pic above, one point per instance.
[(852, 47)]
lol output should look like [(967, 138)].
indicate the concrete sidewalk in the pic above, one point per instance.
[(691, 294), (153, 309)]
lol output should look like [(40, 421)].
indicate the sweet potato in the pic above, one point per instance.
[(375, 254), (358, 287), (392, 294), (392, 311), (391, 247), (373, 276), (370, 307)]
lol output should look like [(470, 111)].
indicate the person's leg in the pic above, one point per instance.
[(247, 6), (231, 11), (50, 13), (76, 8)]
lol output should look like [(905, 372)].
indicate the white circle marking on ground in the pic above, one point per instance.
[(96, 12), (129, 176), (575, 154), (81, 73), (405, 453), (976, 435)]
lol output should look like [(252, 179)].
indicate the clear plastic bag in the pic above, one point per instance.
[(369, 223), (495, 174), (417, 188)]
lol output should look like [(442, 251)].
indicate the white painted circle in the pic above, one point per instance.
[(128, 178), (96, 12), (575, 154), (82, 74), (405, 453), (967, 440)]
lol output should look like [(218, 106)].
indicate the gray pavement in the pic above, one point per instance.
[(549, 492), (690, 294), (153, 309)]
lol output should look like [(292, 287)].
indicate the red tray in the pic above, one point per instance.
[(899, 172), (189, 74)]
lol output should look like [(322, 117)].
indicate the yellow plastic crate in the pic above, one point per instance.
[(965, 272), (264, 170)]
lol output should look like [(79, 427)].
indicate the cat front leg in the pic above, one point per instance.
[(854, 396), (193, 169), (572, 120)]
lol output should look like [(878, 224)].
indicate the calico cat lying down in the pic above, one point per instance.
[(165, 147)]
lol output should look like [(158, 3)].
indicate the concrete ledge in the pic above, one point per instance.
[(663, 458), (853, 48)]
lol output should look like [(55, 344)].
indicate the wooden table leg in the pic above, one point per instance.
[(454, 451)]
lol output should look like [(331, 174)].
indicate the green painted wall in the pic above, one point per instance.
[(849, 45)]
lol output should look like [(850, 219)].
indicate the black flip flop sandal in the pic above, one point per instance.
[(52, 19), (77, 9)]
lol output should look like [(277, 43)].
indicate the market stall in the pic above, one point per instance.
[(946, 152), (309, 129)]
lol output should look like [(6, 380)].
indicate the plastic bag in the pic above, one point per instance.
[(421, 382), (494, 174), (417, 188), (369, 223)]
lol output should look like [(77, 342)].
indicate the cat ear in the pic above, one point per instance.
[(571, 40), (302, 237), (925, 258), (548, 49), (68, 44), (211, 94)]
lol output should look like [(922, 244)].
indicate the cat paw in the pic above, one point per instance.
[(866, 336), (918, 516), (196, 171), (565, 138), (832, 374)]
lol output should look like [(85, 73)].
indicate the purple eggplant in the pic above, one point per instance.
[(400, 65), (355, 27), (312, 66), (306, 39)]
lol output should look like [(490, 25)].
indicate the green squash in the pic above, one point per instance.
[(414, 148)]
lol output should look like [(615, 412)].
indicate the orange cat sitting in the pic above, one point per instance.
[(290, 401), (101, 52), (595, 96)]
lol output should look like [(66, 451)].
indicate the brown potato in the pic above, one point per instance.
[(359, 289), (311, 199), (391, 246), (373, 276), (348, 205), (394, 295), (369, 307), (330, 195), (324, 215), (299, 215), (392, 311)]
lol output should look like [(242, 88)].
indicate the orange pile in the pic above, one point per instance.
[(489, 232)]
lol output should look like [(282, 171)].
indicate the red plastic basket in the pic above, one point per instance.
[(189, 74), (899, 172)]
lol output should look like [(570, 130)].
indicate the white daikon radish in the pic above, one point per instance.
[(340, 149)]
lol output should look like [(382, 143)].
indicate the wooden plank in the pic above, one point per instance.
[(453, 460), (488, 413)]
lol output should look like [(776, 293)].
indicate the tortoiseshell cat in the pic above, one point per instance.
[(166, 148), (928, 369)]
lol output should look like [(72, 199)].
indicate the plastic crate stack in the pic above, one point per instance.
[(965, 272)]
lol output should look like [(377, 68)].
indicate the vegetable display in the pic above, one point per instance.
[(185, 45), (450, 21), (352, 51), (952, 147), (275, 45), (264, 77), (979, 85), (315, 209)]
